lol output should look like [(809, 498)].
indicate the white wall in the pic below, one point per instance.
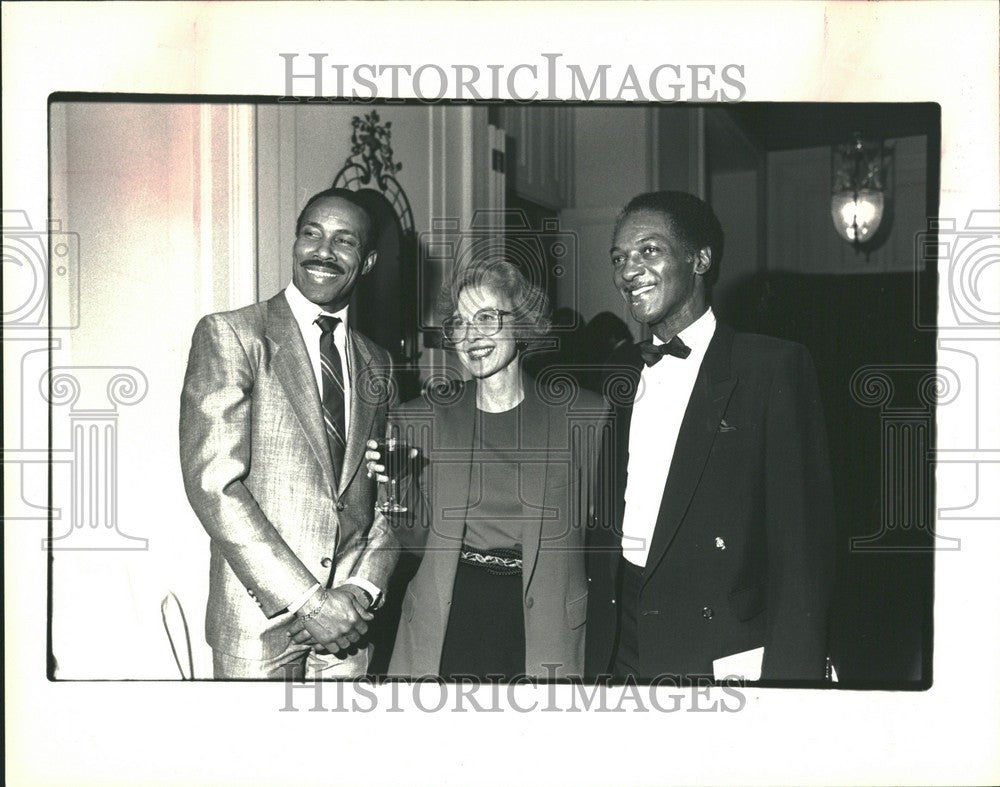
[(158, 194), (614, 159)]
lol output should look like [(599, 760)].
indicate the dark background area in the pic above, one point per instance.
[(882, 621)]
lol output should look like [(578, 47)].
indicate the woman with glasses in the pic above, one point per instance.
[(501, 500)]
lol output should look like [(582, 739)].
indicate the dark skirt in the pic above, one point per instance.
[(485, 635)]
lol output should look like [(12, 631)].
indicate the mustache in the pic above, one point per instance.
[(330, 265)]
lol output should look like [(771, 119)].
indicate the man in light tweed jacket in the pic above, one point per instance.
[(279, 399)]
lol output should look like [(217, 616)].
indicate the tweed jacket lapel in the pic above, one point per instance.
[(369, 384), (294, 371)]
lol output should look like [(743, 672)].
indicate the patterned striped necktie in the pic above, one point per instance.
[(333, 391)]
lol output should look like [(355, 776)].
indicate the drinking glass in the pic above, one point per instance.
[(395, 457)]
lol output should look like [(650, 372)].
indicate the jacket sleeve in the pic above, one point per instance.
[(800, 524), (215, 454)]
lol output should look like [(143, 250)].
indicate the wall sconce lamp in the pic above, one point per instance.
[(858, 201)]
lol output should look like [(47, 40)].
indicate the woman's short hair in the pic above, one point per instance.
[(529, 303)]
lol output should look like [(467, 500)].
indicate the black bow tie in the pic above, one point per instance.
[(652, 353)]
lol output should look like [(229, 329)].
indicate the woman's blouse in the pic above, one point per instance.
[(495, 512)]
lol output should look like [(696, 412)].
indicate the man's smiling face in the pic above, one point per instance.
[(330, 252), (659, 281)]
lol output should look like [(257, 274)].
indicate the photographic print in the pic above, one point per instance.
[(389, 378)]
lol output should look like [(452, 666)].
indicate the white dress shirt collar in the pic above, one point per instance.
[(698, 334), (305, 311)]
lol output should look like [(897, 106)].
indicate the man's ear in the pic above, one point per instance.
[(369, 262), (703, 261)]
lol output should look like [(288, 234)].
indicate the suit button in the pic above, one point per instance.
[(326, 562), (589, 579), (341, 505), (707, 612), (530, 602), (613, 601), (250, 591)]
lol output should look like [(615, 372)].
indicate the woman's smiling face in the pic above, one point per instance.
[(484, 356)]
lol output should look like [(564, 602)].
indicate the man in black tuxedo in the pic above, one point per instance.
[(712, 552)]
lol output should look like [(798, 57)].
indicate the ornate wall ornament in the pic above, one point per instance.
[(371, 165)]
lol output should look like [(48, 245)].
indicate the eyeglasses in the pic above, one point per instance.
[(487, 322)]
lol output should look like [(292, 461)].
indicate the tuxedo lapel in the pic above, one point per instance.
[(294, 371), (707, 405)]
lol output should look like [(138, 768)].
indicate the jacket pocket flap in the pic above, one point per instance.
[(749, 602), (576, 612)]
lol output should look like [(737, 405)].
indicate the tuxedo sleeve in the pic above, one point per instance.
[(215, 446), (800, 523)]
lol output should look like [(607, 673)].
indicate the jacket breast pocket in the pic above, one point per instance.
[(748, 602), (576, 612)]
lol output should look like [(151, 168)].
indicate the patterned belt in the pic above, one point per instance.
[(502, 562)]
